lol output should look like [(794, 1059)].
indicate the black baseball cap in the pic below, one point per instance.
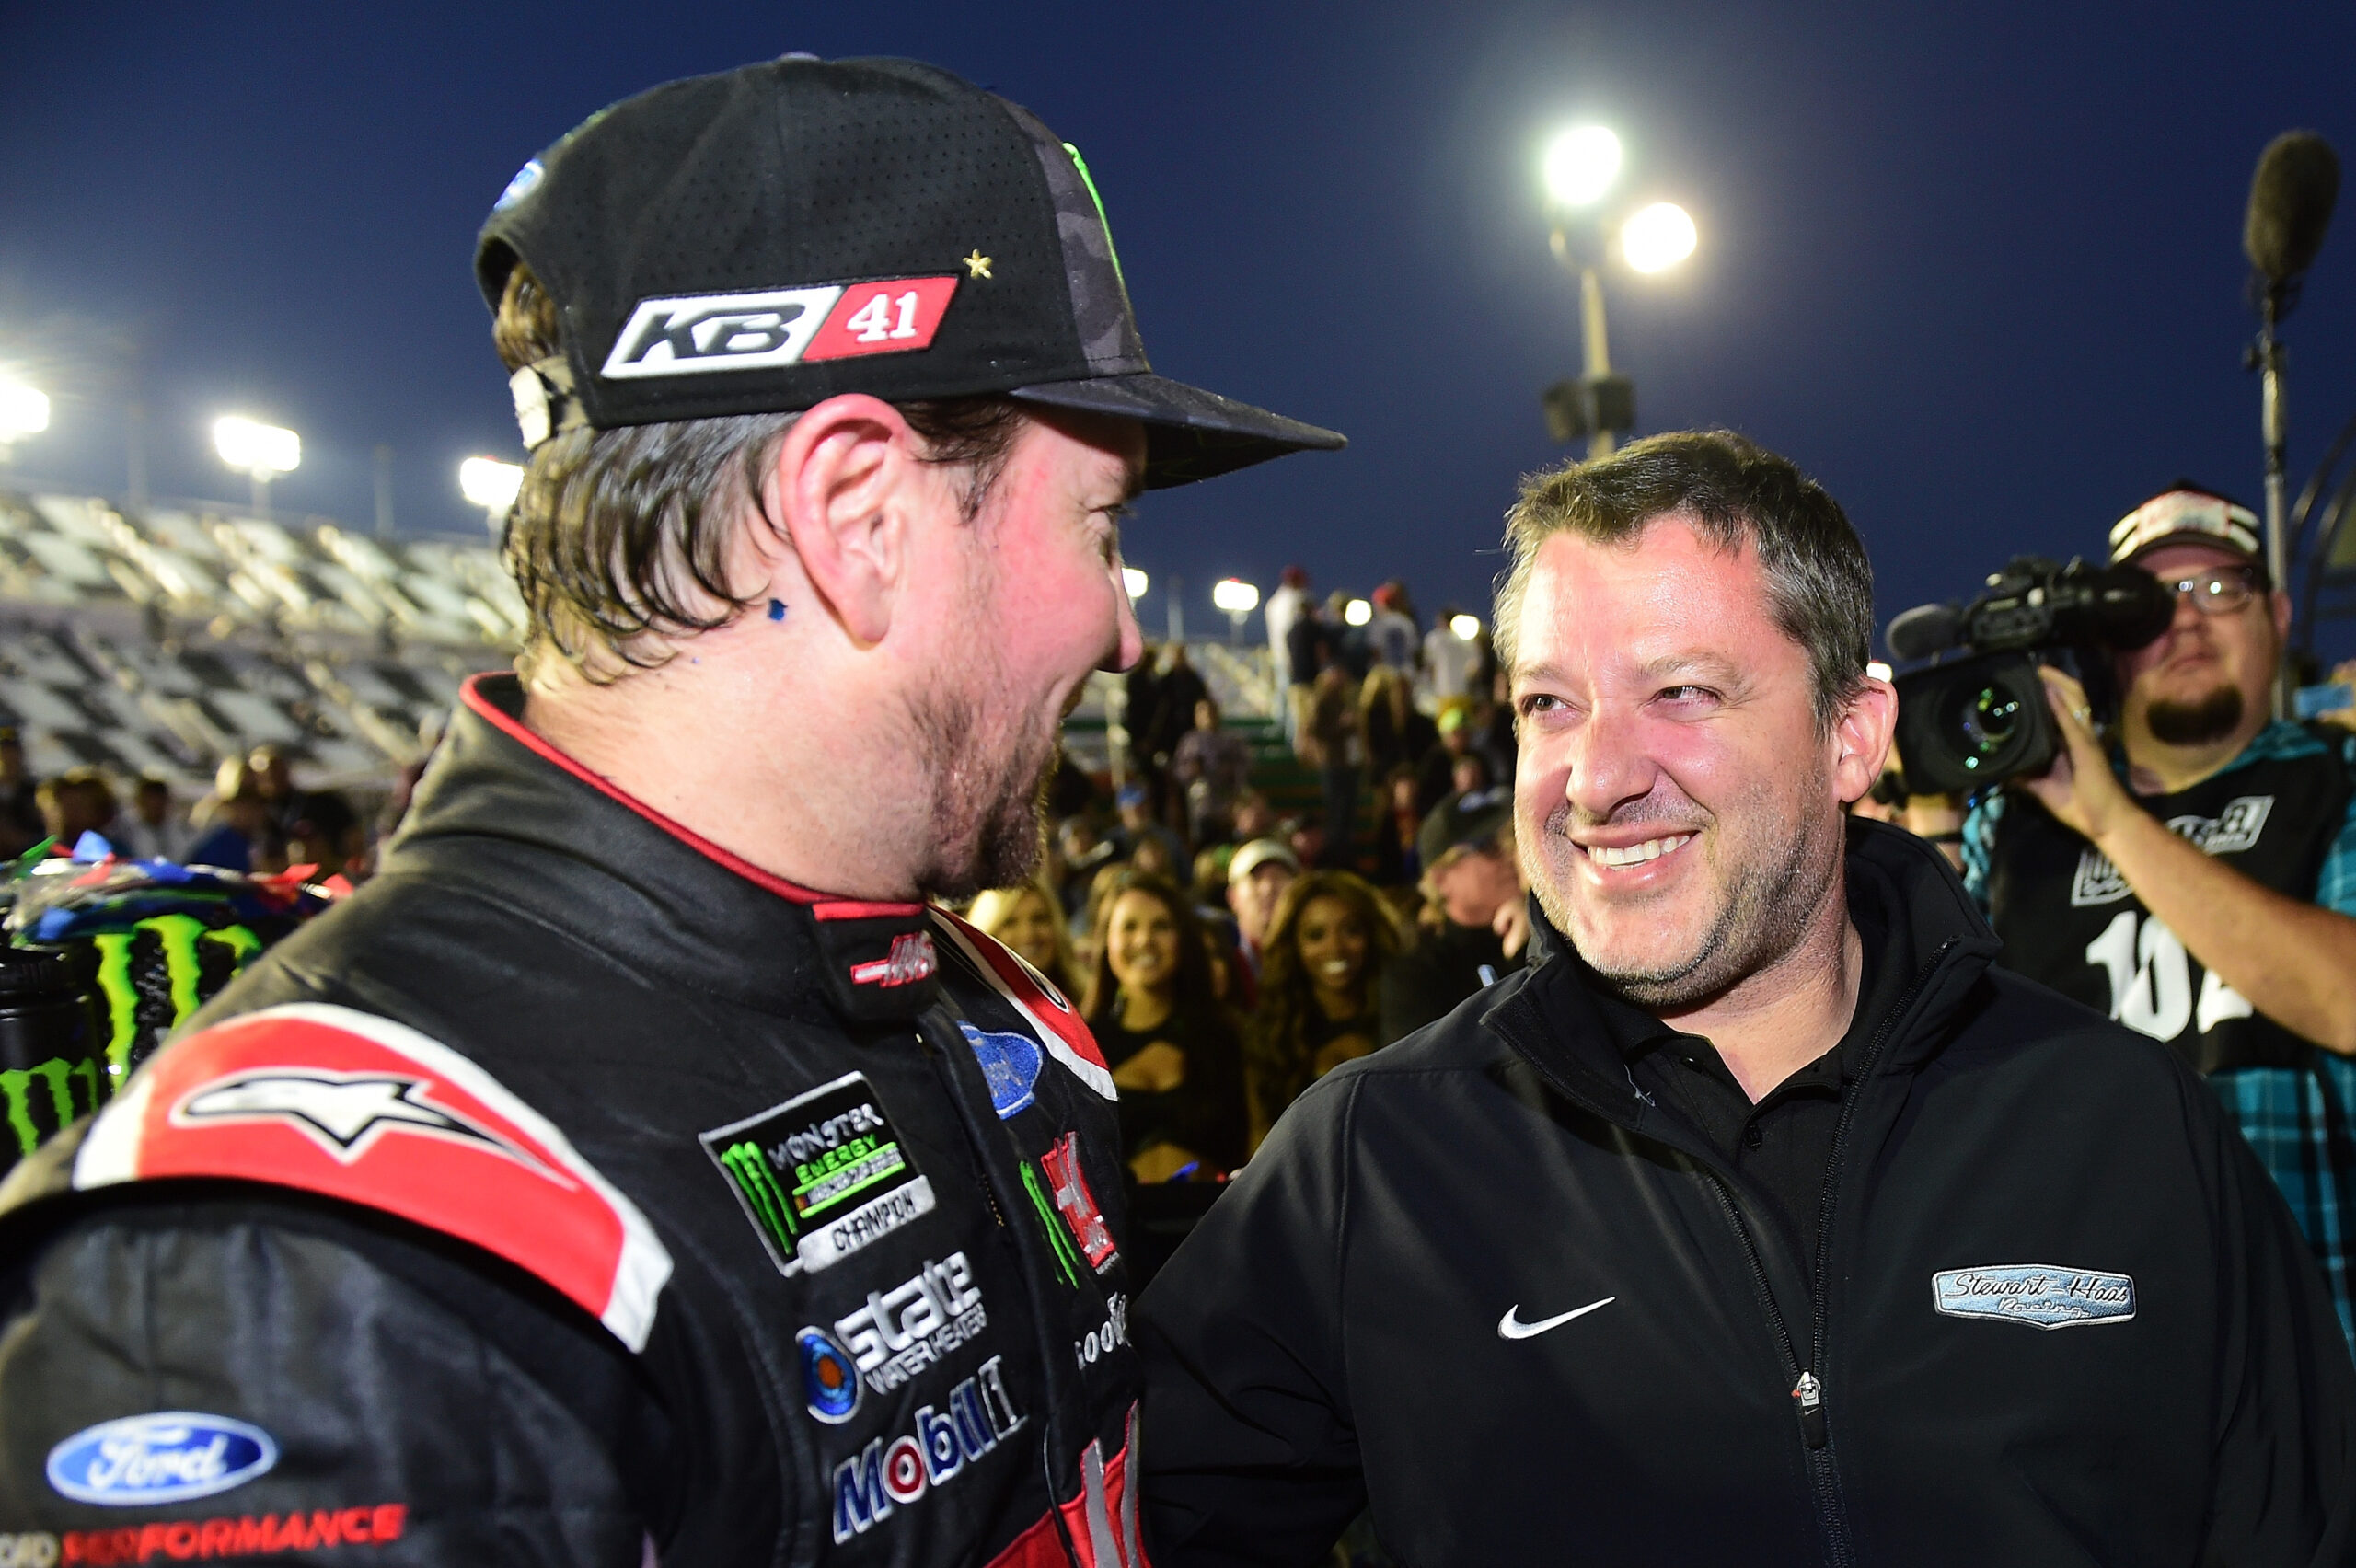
[(763, 239)]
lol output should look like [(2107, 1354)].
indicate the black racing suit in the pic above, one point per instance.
[(1482, 1283), (577, 1194)]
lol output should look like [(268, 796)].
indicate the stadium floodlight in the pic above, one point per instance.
[(1235, 596), (23, 412), (1358, 612), (1877, 670), (1580, 165), (260, 452), (490, 484), (1466, 628), (1133, 578), (253, 448), (1239, 599), (1657, 237)]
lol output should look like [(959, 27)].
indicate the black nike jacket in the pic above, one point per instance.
[(1479, 1284)]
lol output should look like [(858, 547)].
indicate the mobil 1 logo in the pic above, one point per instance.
[(822, 1175)]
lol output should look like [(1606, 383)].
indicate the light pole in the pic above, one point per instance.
[(23, 412), (1239, 599), (1581, 166), (258, 451), (490, 484)]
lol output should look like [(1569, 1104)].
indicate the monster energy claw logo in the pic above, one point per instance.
[(822, 1175), (46, 1086)]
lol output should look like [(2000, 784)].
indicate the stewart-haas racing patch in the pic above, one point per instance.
[(822, 1175)]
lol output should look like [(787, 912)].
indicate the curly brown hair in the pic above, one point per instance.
[(1278, 1060)]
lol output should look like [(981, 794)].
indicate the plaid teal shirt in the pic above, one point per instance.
[(2335, 886)]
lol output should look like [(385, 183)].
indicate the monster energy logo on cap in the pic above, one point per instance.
[(822, 1175)]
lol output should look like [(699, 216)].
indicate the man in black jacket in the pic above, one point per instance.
[(637, 1170), (1744, 1226)]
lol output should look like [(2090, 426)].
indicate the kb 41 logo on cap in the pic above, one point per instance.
[(763, 329)]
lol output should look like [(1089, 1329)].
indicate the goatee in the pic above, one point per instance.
[(2212, 717)]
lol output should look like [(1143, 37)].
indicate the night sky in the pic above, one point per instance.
[(1981, 274)]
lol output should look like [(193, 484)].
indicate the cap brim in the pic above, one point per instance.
[(1190, 434)]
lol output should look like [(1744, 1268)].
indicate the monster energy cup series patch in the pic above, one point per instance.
[(822, 1175)]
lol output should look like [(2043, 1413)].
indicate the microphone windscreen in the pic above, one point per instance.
[(1923, 630), (2289, 204)]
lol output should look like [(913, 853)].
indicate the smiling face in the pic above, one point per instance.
[(1028, 927), (1141, 943), (1038, 604), (1332, 939), (1679, 805)]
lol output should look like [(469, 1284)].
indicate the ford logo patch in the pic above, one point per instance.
[(2044, 1296), (162, 1457)]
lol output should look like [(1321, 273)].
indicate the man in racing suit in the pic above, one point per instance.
[(592, 1188)]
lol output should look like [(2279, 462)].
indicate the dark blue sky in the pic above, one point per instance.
[(1979, 271)]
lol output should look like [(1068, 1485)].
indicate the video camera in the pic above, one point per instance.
[(1966, 723)]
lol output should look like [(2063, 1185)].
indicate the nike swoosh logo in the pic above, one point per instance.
[(1511, 1327)]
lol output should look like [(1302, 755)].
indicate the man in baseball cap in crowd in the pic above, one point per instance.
[(2197, 881), (637, 1169)]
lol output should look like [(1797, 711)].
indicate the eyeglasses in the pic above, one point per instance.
[(2217, 593)]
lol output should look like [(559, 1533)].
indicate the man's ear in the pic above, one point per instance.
[(849, 480), (2277, 603), (1861, 738)]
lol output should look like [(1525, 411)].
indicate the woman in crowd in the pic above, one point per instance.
[(1331, 935), (1025, 918), (1173, 1053)]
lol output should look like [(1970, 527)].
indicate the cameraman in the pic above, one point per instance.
[(2200, 884)]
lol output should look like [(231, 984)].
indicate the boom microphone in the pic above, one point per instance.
[(2291, 200), (1923, 630)]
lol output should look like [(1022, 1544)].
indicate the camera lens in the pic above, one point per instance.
[(1991, 719)]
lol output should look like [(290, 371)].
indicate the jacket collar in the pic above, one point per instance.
[(1555, 1013), (505, 811)]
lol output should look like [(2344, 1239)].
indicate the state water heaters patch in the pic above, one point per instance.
[(896, 1334), (2044, 1296), (888, 1475), (822, 1175)]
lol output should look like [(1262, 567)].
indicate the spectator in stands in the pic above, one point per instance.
[(1256, 878), (1350, 646), (1310, 646), (1334, 750), (1436, 769), (1330, 939), (20, 820), (1139, 828), (1026, 920), (1173, 1050), (1449, 660), (152, 830), (1390, 729), (1474, 927), (77, 802), (237, 833), (1283, 609), (1396, 824), (1140, 710), (1391, 636), (1213, 767), (1173, 708), (1082, 851), (319, 826), (1255, 817)]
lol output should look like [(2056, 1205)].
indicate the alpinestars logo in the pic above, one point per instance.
[(887, 1476), (912, 958), (768, 328), (344, 1114)]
